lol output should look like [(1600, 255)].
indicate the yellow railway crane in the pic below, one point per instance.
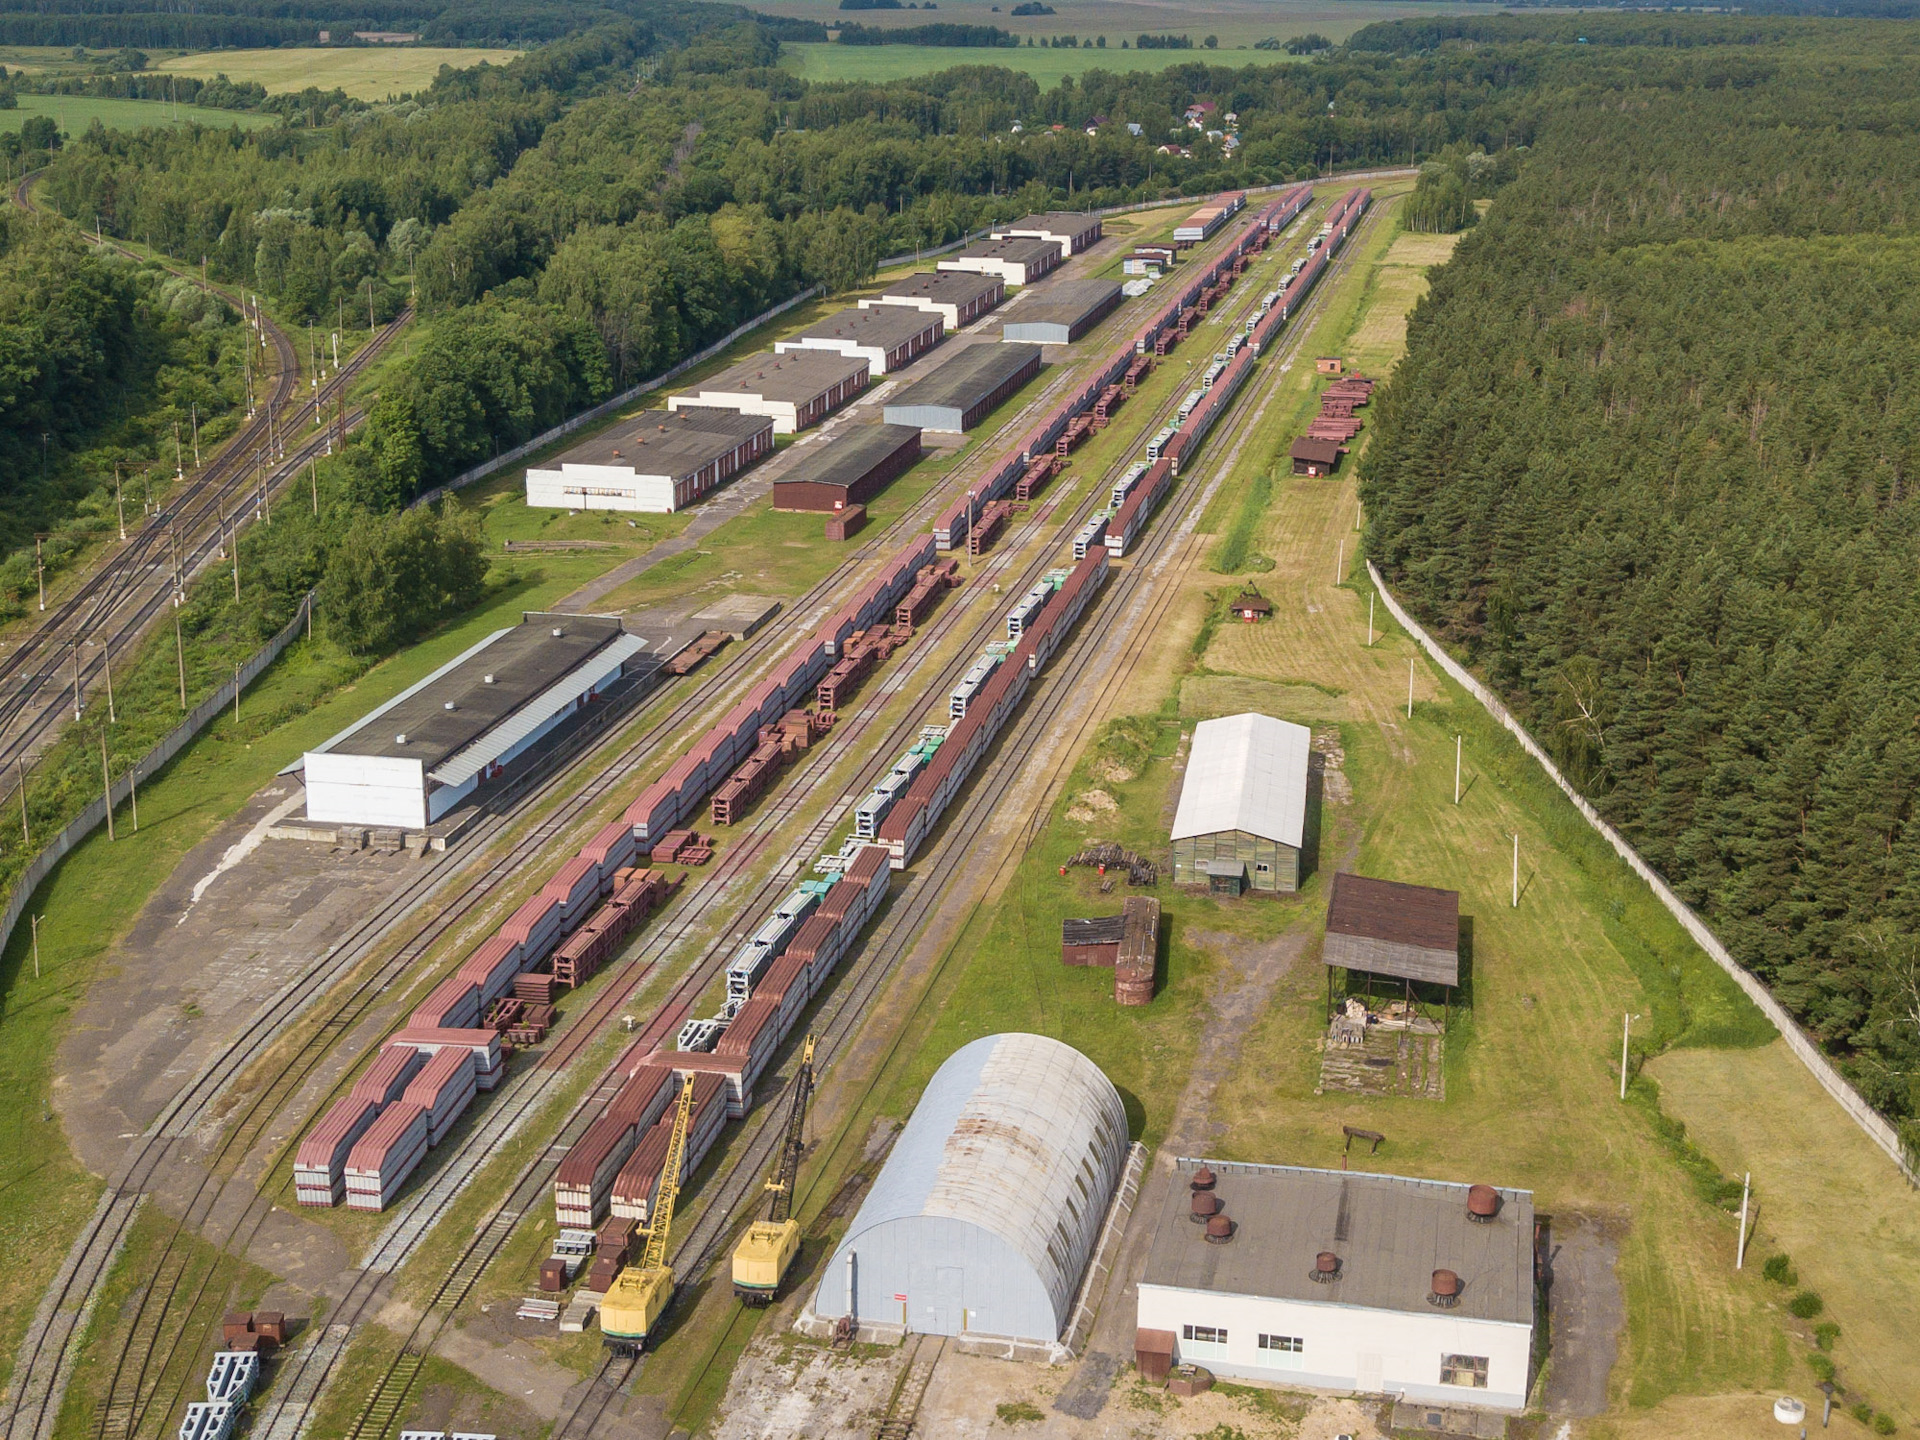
[(640, 1294), (765, 1252)]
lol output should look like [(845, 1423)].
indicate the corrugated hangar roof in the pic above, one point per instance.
[(558, 697), (1390, 1233), (1018, 1136), (973, 372), (1246, 772), (850, 456)]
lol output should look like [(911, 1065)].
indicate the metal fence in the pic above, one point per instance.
[(170, 745), (1831, 1080)]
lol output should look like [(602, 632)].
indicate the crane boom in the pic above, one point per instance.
[(796, 1141), (661, 1220)]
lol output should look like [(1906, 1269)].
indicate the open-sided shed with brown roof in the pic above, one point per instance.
[(1384, 927)]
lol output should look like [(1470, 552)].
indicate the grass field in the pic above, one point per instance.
[(896, 62), (365, 73), (74, 113), (1236, 23)]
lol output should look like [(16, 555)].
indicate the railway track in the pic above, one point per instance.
[(122, 595), (900, 924), (132, 1393)]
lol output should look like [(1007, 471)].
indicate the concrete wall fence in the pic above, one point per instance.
[(95, 814), (1831, 1080)]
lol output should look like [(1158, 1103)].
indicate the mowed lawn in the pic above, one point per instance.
[(75, 113), (1531, 1069), (364, 72)]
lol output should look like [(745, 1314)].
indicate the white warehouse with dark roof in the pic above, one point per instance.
[(1245, 822), (413, 759), (987, 1212)]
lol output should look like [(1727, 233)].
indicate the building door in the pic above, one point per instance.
[(949, 1300), (1367, 1380)]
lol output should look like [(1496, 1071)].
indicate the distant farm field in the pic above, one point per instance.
[(74, 113), (365, 73), (1237, 24), (895, 62)]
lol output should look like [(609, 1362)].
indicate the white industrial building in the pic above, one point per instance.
[(430, 747), (1244, 821), (658, 462), (986, 1214), (1072, 231), (795, 390), (1331, 1280), (887, 337)]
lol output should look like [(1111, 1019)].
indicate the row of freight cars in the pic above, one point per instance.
[(1167, 449), (615, 1166), (363, 1148), (1123, 367)]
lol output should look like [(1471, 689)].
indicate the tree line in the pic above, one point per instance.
[(1650, 466)]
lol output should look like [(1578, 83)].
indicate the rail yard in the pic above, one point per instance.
[(883, 724)]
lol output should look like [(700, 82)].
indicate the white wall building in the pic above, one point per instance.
[(656, 463), (412, 760), (1373, 1317)]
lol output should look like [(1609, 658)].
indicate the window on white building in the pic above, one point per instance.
[(1290, 1344), (1470, 1370), (1203, 1334)]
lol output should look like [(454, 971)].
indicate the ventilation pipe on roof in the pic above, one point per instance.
[(401, 738), (1220, 1230), (1205, 1206), (558, 632), (1445, 1293), (1326, 1268), (488, 677), (1483, 1204)]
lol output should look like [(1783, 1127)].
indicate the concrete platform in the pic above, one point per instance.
[(738, 615)]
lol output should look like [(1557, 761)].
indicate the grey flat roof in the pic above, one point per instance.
[(1390, 1232), (1066, 304), (943, 287), (1020, 249), (524, 662), (793, 378), (974, 372), (884, 325), (669, 442), (849, 457), (1059, 222)]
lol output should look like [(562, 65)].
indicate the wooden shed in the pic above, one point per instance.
[(1384, 927), (1315, 457), (1251, 606), (1244, 821)]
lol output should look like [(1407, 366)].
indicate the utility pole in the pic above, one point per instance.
[(179, 465), (20, 768), (1370, 600), (1340, 563), (196, 434), (1456, 769), (236, 694), (106, 783), (119, 503), (106, 659), (36, 945), (1626, 1029), (76, 679), (1516, 878), (1409, 688), (180, 655), (236, 566), (40, 569), (313, 478), (1746, 1190)]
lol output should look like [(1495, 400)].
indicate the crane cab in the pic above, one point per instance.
[(762, 1258), (635, 1302)]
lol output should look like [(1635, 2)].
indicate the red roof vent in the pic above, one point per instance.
[(1483, 1204), (1220, 1230), (1202, 1179), (1205, 1206), (1445, 1293), (1326, 1268)]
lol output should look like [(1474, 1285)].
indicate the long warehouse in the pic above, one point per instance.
[(794, 391), (659, 462), (1074, 231), (958, 297), (1064, 313), (887, 337), (1016, 261), (965, 390), (848, 469), (412, 760)]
